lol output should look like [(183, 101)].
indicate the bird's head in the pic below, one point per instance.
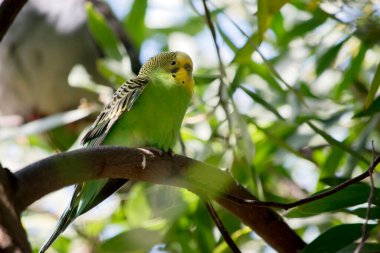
[(178, 64)]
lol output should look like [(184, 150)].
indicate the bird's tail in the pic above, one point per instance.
[(67, 217), (75, 209), (63, 223)]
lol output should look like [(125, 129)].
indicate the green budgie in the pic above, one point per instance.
[(146, 111)]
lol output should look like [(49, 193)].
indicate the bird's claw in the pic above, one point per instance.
[(153, 151), (171, 152)]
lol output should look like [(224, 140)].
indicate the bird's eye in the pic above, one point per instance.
[(173, 62)]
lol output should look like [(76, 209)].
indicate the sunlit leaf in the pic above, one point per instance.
[(192, 26), (134, 23), (374, 108), (263, 71), (204, 79), (137, 207), (62, 244), (326, 59), (265, 12), (262, 101), (243, 55), (330, 166), (280, 139), (300, 29), (352, 71), (102, 32), (113, 73), (134, 240), (374, 88), (336, 143), (278, 25), (47, 123), (226, 38)]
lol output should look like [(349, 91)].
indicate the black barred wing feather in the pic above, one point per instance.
[(122, 101)]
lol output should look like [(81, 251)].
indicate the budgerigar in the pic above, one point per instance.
[(146, 111)]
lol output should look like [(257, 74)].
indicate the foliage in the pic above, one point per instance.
[(295, 114)]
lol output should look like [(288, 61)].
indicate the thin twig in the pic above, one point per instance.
[(222, 86), (221, 227), (269, 65), (213, 33), (322, 195), (368, 213)]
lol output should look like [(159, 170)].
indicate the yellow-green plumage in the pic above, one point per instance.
[(155, 118), (146, 111)]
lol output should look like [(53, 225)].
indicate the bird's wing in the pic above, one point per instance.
[(91, 194), (88, 195), (122, 101)]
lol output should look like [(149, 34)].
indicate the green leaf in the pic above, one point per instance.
[(263, 71), (332, 162), (134, 23), (279, 138), (265, 11), (204, 79), (137, 207), (262, 101), (62, 244), (336, 143), (362, 212), (326, 59), (204, 227), (302, 28), (111, 72), (134, 240), (102, 32), (278, 25), (192, 26), (367, 248), (336, 238), (371, 110), (351, 196), (332, 181), (374, 88), (263, 17), (47, 123), (243, 55), (226, 38), (353, 70)]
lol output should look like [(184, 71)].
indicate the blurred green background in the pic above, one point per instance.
[(295, 112)]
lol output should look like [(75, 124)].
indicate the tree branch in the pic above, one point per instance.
[(315, 197), (55, 172), (222, 229), (12, 235), (8, 12)]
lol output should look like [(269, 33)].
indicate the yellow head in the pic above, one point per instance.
[(178, 64)]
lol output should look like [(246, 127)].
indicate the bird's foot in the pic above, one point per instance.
[(170, 152), (152, 151)]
